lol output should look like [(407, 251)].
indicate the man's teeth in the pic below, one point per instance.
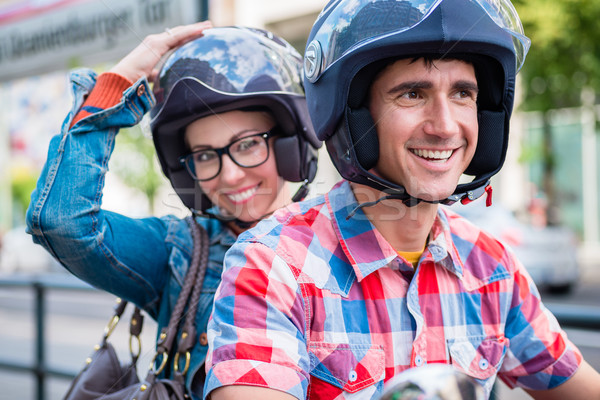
[(245, 195), (433, 155)]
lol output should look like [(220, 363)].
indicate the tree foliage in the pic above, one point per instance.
[(564, 59), (565, 51), (23, 179), (135, 162)]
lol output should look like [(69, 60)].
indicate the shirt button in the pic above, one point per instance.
[(141, 90), (484, 364), (203, 339), (353, 376), (419, 360)]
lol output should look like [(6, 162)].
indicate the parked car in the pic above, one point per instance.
[(548, 253)]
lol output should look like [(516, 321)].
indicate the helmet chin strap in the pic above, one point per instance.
[(405, 198), (410, 201)]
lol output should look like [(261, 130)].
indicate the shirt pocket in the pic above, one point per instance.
[(345, 367), (478, 357)]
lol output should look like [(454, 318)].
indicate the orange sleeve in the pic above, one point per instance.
[(107, 93)]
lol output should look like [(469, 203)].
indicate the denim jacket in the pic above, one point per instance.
[(140, 260)]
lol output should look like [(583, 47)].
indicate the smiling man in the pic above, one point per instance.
[(332, 297), (426, 117)]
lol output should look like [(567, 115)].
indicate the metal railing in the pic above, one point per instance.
[(569, 316), (40, 285)]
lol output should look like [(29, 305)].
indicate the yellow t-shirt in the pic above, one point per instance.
[(411, 256)]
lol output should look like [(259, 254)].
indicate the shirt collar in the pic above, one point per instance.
[(363, 245), (367, 250), (441, 248), (218, 231)]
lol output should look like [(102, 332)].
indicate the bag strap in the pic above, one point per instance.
[(112, 324), (201, 252), (189, 296), (135, 328)]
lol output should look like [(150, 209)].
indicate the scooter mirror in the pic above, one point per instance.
[(432, 382)]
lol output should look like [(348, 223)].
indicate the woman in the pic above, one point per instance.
[(226, 107)]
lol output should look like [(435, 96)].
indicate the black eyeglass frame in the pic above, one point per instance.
[(225, 150)]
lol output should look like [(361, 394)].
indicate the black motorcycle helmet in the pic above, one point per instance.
[(232, 68), (352, 40)]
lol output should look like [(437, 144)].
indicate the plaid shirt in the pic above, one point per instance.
[(315, 304)]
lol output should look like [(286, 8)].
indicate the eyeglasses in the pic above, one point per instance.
[(247, 152)]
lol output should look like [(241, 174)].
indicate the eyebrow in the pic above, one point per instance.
[(413, 85), (410, 85), (466, 85)]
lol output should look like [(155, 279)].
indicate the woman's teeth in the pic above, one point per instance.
[(242, 196), (435, 156)]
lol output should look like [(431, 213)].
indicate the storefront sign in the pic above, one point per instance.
[(36, 39)]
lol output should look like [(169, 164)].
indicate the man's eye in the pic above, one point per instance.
[(467, 94), (410, 95)]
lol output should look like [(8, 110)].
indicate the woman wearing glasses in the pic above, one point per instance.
[(230, 126)]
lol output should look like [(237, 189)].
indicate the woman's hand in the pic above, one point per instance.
[(141, 61)]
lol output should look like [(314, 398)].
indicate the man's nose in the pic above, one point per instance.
[(442, 119)]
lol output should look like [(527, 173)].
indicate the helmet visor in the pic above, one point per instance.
[(336, 40), (225, 61)]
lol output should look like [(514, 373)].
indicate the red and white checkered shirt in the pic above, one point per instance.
[(315, 304)]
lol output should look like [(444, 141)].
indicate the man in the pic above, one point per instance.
[(334, 296)]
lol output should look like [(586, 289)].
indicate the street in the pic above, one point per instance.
[(76, 319), (75, 322)]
